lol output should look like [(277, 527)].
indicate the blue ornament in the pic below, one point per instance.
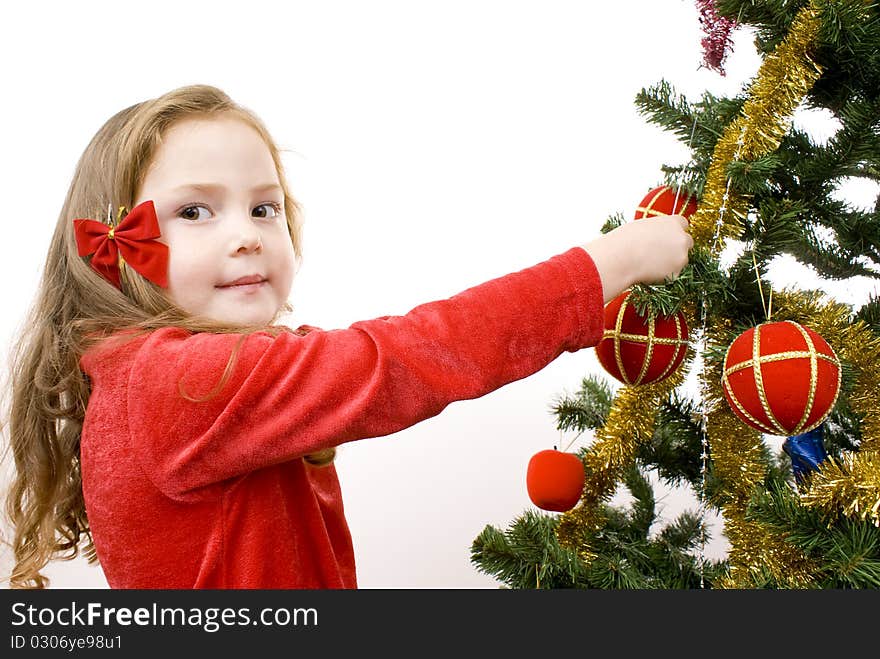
[(806, 452)]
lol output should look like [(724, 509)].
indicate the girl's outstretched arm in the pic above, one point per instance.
[(291, 395)]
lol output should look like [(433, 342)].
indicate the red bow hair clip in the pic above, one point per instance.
[(132, 240)]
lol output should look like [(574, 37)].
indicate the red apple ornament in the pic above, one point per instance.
[(555, 480), (781, 378), (636, 350), (662, 201)]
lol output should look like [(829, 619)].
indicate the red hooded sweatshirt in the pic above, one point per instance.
[(215, 494)]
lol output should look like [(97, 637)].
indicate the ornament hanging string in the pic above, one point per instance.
[(680, 185), (574, 439), (768, 308)]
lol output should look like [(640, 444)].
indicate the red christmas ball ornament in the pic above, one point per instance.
[(555, 480), (636, 350), (662, 201), (781, 378)]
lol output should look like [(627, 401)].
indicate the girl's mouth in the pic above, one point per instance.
[(249, 280), (244, 288)]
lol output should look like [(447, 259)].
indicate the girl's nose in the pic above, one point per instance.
[(247, 238), (251, 242)]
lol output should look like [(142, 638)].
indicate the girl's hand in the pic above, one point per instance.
[(643, 251)]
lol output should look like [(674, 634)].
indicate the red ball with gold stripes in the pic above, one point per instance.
[(636, 350), (663, 201), (781, 378)]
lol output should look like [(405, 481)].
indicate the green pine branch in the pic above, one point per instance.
[(845, 551), (586, 409)]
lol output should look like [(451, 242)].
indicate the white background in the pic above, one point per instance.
[(433, 145)]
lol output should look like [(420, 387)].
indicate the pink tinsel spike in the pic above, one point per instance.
[(717, 42)]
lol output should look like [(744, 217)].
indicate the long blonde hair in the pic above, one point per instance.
[(75, 307)]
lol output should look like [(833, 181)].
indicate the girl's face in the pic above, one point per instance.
[(221, 213)]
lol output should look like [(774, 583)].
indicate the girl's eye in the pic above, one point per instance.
[(263, 211), (192, 213), (274, 210)]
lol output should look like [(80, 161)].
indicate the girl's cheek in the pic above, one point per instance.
[(170, 233)]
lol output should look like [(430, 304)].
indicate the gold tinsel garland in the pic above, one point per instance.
[(783, 80), (631, 421), (853, 487), (850, 487)]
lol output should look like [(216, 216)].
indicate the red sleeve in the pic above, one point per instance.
[(293, 394)]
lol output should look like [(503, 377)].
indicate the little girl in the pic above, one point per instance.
[(159, 410)]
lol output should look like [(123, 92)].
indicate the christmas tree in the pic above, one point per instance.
[(790, 363)]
